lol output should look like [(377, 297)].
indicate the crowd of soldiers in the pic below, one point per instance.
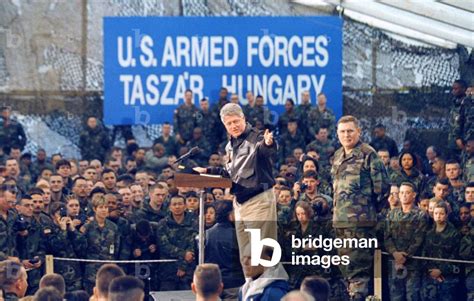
[(123, 204)]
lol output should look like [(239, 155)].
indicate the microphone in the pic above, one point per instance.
[(192, 152)]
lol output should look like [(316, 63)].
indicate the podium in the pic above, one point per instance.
[(202, 181)]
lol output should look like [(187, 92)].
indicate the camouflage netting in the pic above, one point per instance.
[(403, 85)]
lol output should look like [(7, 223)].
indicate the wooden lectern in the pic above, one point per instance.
[(202, 181)]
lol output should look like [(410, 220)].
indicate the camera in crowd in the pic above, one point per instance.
[(303, 187), (63, 212)]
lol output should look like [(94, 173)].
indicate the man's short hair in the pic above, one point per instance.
[(35, 190), (347, 119), (444, 182), (10, 272), (54, 280), (317, 287), (108, 170), (105, 275), (310, 174), (48, 293), (409, 184), (461, 82), (223, 209), (470, 185), (452, 161), (62, 162), (126, 288), (207, 279)]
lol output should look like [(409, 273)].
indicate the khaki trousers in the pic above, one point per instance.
[(257, 213)]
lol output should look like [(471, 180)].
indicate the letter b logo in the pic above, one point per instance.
[(256, 247)]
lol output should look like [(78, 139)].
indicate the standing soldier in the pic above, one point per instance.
[(184, 118), (303, 110), (360, 183), (30, 246), (466, 252), (176, 240), (207, 122), (63, 240), (94, 141), (455, 137), (102, 241), (291, 140), (323, 146), (403, 237), (11, 132), (7, 222), (321, 116), (442, 241)]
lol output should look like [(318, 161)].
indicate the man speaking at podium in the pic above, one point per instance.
[(249, 165)]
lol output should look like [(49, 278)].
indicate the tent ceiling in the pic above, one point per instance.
[(445, 23)]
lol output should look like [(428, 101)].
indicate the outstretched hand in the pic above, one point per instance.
[(200, 169), (268, 137)]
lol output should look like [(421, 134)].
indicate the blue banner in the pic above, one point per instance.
[(149, 62)]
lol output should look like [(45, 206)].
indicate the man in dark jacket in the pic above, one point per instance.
[(94, 141), (222, 249), (11, 132), (250, 162)]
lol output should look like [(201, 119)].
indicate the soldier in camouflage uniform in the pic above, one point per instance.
[(153, 210), (360, 184), (321, 116), (185, 118), (291, 140), (323, 146), (62, 239), (168, 141), (453, 173), (31, 246), (405, 229), (94, 141), (321, 203), (289, 114), (176, 233), (408, 172), (468, 160), (207, 122), (123, 226), (385, 157), (456, 123), (303, 110), (205, 147), (466, 252), (11, 132), (102, 241), (176, 241), (442, 241), (8, 217), (285, 207), (464, 126)]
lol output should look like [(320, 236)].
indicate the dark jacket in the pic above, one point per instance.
[(250, 164), (223, 250)]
